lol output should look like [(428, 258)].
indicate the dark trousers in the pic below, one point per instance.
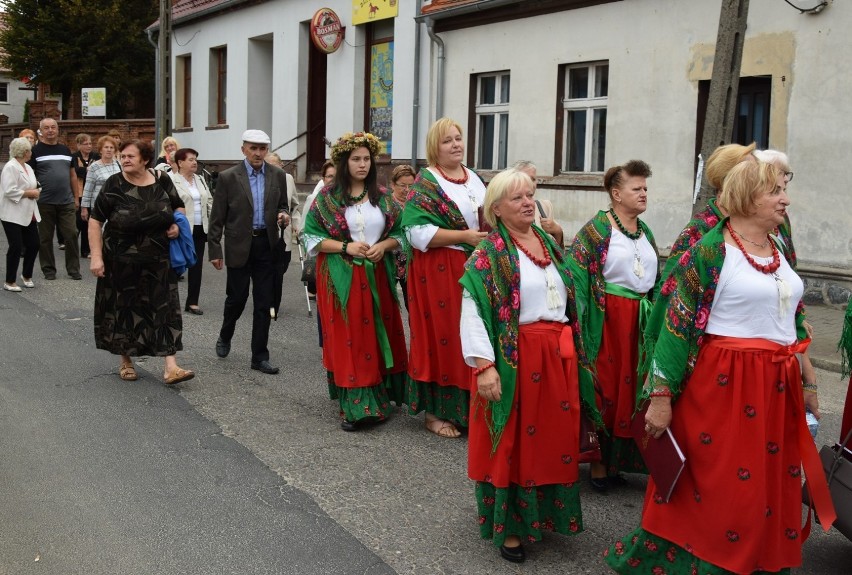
[(61, 216), (83, 228), (20, 238), (199, 238), (258, 273)]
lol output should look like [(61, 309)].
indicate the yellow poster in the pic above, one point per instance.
[(364, 11)]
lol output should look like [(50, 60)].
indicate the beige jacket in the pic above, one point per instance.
[(206, 198)]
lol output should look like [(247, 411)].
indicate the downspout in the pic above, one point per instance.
[(415, 119), (439, 68), (157, 103)]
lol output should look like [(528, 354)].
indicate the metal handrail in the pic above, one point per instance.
[(293, 139)]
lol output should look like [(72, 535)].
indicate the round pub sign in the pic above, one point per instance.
[(326, 30)]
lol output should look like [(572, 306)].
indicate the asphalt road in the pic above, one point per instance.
[(241, 472)]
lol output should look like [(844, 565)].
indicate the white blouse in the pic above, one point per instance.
[(474, 338), (366, 223), (14, 181), (620, 258), (747, 303), (467, 197)]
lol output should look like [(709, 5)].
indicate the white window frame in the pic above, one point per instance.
[(590, 104), (500, 111)]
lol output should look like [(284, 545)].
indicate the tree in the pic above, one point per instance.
[(72, 44)]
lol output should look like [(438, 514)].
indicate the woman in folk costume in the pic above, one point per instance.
[(353, 228), (614, 264), (726, 379), (519, 330), (720, 162), (441, 221)]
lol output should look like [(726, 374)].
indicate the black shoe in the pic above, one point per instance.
[(347, 425), (223, 348), (61, 246), (76, 276), (599, 484), (513, 554), (264, 366), (617, 480), (50, 277), (194, 310)]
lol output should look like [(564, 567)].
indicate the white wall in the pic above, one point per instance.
[(657, 51)]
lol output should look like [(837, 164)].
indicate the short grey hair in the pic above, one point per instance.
[(19, 147)]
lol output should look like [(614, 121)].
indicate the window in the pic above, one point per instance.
[(752, 119), (584, 103), (184, 119), (4, 91), (380, 83), (492, 120), (218, 86)]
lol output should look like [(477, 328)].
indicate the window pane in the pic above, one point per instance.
[(578, 83), (503, 143), (487, 87), (599, 141), (602, 81), (504, 90), (486, 142), (576, 145)]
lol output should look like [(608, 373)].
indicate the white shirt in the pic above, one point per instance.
[(620, 257), (461, 194), (746, 302), (474, 338), (367, 227)]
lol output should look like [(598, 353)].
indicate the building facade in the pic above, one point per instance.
[(574, 85)]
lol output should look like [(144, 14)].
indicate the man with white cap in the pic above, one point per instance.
[(249, 206)]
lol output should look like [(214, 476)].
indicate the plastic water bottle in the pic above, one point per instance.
[(812, 421)]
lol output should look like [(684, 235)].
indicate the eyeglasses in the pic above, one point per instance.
[(789, 176)]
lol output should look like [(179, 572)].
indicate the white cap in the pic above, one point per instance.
[(256, 137)]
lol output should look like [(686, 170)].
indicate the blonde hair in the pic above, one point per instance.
[(744, 184), (503, 183), (166, 141), (433, 138), (723, 159)]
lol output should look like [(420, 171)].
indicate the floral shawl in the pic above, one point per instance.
[(689, 293), (327, 220), (586, 262), (428, 204), (845, 344), (492, 278)]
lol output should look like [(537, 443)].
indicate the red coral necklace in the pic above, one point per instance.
[(762, 268), (540, 262), (459, 181)]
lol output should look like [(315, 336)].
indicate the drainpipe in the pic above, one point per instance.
[(157, 103), (415, 119), (439, 68)]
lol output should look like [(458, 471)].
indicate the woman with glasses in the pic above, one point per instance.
[(402, 178)]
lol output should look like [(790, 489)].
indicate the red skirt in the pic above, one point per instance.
[(616, 364), (350, 345), (540, 442), (434, 316), (740, 422)]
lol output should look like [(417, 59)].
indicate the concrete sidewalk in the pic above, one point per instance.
[(828, 324)]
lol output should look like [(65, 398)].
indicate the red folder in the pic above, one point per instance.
[(662, 456)]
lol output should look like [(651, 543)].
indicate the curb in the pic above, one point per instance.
[(826, 364)]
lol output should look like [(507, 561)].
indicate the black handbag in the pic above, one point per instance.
[(837, 464), (309, 270)]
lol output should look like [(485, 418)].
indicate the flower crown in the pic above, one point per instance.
[(349, 141)]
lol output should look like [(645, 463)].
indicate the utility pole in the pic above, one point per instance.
[(722, 100), (164, 72)]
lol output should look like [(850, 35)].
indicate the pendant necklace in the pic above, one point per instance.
[(552, 298), (785, 293), (638, 268)]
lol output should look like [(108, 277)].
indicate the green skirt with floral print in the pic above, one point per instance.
[(620, 454), (357, 403), (527, 511), (642, 553), (444, 401)]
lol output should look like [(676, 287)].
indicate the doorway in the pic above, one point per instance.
[(317, 93)]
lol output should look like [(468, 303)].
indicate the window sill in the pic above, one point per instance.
[(217, 127), (182, 130)]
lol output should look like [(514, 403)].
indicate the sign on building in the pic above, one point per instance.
[(364, 11), (94, 102)]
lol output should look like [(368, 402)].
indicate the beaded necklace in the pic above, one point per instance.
[(552, 299), (358, 198), (459, 181), (540, 262), (632, 235), (762, 268), (763, 245)]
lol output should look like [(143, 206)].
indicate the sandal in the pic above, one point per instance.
[(127, 372), (443, 428), (178, 375)]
